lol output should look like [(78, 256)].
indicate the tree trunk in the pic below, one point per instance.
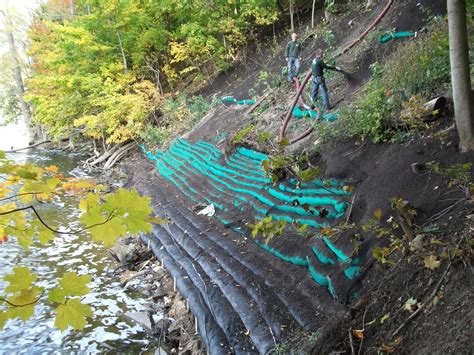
[(25, 110), (460, 74), (71, 7), (292, 13), (124, 59), (312, 13)]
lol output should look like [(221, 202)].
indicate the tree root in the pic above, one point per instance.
[(423, 306)]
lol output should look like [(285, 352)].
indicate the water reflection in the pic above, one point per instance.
[(109, 330)]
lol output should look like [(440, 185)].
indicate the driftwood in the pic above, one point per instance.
[(30, 146), (114, 158), (105, 156)]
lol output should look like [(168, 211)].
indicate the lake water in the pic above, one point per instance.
[(109, 330)]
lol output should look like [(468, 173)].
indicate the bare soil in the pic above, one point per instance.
[(373, 316)]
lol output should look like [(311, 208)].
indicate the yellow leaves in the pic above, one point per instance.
[(170, 72), (358, 333), (378, 214), (384, 318), (3, 190), (121, 212), (80, 186), (348, 188), (431, 262), (187, 70), (51, 169), (328, 231), (381, 254), (178, 51)]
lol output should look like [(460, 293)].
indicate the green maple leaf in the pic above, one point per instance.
[(25, 300), (133, 208), (3, 319), (57, 295), (26, 174), (21, 279), (73, 314), (45, 235), (103, 231), (25, 238), (90, 201), (75, 285), (7, 168)]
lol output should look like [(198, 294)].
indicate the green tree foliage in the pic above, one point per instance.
[(101, 71), (23, 188)]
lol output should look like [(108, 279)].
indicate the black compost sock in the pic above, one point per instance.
[(248, 294)]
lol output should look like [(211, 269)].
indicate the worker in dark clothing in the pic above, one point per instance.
[(293, 56), (317, 69)]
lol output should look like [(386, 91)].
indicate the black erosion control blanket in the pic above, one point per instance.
[(248, 295)]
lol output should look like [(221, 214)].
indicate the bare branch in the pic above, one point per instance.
[(109, 217)]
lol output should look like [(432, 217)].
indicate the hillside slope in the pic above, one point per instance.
[(384, 262)]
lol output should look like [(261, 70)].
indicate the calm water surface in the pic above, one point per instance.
[(108, 331)]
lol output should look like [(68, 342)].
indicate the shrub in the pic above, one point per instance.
[(416, 68)]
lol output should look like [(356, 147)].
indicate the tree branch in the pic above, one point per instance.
[(18, 195), (22, 305), (109, 217)]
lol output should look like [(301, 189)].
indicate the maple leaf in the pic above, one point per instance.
[(431, 262), (27, 174), (75, 285), (3, 319), (27, 300), (45, 235), (21, 279), (57, 295), (73, 314), (134, 208), (91, 200), (103, 231)]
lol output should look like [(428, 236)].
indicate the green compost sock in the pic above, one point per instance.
[(240, 181)]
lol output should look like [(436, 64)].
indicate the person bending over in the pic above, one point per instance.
[(317, 69)]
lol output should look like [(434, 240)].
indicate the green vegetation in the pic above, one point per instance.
[(102, 71), (395, 85), (178, 115)]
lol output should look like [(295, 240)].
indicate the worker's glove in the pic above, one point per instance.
[(338, 68)]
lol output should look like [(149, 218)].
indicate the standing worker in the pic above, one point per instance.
[(293, 56), (317, 69)]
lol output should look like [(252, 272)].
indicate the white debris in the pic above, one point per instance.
[(208, 211)]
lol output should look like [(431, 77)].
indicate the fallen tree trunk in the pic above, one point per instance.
[(118, 155), (106, 155), (30, 146)]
